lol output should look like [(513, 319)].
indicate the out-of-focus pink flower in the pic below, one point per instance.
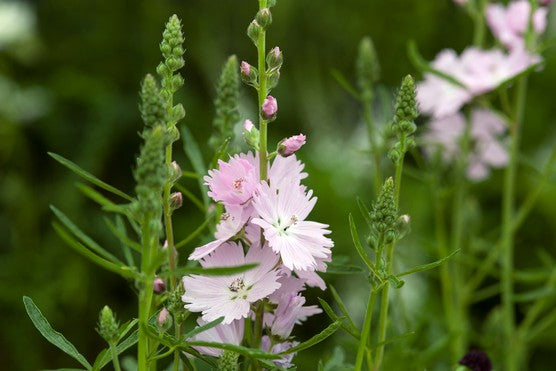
[(478, 70), (248, 125), (230, 334), (487, 150), (162, 316), (270, 107), (286, 360), (233, 183), (282, 216), (231, 296), (289, 146), (289, 312), (460, 2), (510, 23), (159, 285)]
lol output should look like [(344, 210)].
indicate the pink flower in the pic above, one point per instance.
[(231, 223), (282, 217), (162, 316), (248, 125), (231, 296), (510, 23), (286, 360), (487, 150), (269, 108), (289, 146), (159, 285), (230, 334), (233, 183), (286, 170), (289, 312)]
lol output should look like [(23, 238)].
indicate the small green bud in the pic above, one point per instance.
[(162, 70), (107, 325), (389, 236), (403, 226), (174, 172), (251, 134), (228, 361), (264, 17), (272, 79), (384, 211), (406, 104), (410, 143), (367, 68), (152, 107), (253, 31), (395, 154), (177, 113), (274, 59), (407, 127), (372, 242), (177, 82)]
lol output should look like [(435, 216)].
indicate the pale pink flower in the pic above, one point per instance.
[(510, 23), (289, 312), (286, 360), (487, 151), (248, 125), (289, 146), (269, 107), (285, 170), (282, 216), (231, 296), (230, 334), (231, 223), (233, 183)]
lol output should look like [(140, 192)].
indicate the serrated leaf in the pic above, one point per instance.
[(88, 176), (53, 336), (88, 241), (212, 271), (422, 65), (121, 270), (191, 149), (361, 250), (332, 328)]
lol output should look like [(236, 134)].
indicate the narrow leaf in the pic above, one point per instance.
[(191, 197), (212, 271), (119, 233), (342, 306), (334, 317), (247, 352), (332, 328), (88, 176), (429, 266), (191, 149), (360, 250), (53, 336), (221, 152), (121, 270), (195, 233), (105, 357), (393, 340), (83, 237), (365, 212), (344, 83), (333, 268), (544, 292), (100, 199), (205, 327), (422, 65)]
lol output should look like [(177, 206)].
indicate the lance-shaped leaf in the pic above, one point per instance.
[(244, 351), (422, 65), (194, 234), (53, 336), (426, 267), (106, 204), (105, 356), (88, 176), (361, 250), (212, 271), (393, 340), (344, 83), (353, 331), (332, 328), (191, 197), (342, 306), (205, 327)]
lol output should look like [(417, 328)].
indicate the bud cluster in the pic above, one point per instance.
[(384, 212), (107, 325), (367, 68), (405, 112)]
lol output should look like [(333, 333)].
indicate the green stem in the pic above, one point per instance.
[(375, 153), (115, 359), (479, 31), (507, 239), (361, 349), (145, 299)]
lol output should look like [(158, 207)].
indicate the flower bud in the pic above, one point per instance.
[(245, 68), (107, 325), (264, 17), (177, 112), (176, 200), (289, 146), (274, 58), (403, 225), (175, 171), (159, 285), (248, 74), (269, 108), (407, 127), (272, 79), (251, 134), (253, 31), (163, 317)]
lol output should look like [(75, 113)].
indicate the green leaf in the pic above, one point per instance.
[(544, 292), (66, 369), (53, 336), (105, 357), (119, 232), (212, 271), (342, 306), (429, 266), (205, 327), (422, 65), (221, 152), (365, 212), (244, 351), (100, 199), (334, 317), (393, 340), (89, 242), (121, 270), (332, 328), (396, 282), (333, 268), (191, 149), (360, 250), (88, 176), (344, 83)]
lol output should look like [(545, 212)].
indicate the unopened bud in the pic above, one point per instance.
[(107, 325), (272, 79), (176, 200), (403, 225), (253, 31), (251, 134), (245, 68), (269, 108), (274, 58), (159, 285), (175, 171), (248, 73), (545, 2), (264, 17), (289, 146), (163, 317)]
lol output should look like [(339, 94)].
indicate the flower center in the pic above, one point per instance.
[(224, 217), (238, 184), (237, 285)]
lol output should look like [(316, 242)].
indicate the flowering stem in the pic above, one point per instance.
[(376, 155), (145, 297), (507, 240), (479, 31), (115, 359)]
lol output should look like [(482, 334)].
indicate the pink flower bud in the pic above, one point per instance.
[(248, 125), (163, 316), (245, 68), (269, 108), (545, 2), (159, 285), (289, 146)]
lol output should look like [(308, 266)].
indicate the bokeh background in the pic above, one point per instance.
[(69, 79)]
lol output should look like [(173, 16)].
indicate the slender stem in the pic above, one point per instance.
[(365, 333), (115, 359), (375, 153), (479, 31), (145, 299), (507, 238), (172, 263)]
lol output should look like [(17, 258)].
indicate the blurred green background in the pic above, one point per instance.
[(69, 80)]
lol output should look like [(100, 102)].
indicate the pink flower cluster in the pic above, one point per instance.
[(445, 134), (264, 222)]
